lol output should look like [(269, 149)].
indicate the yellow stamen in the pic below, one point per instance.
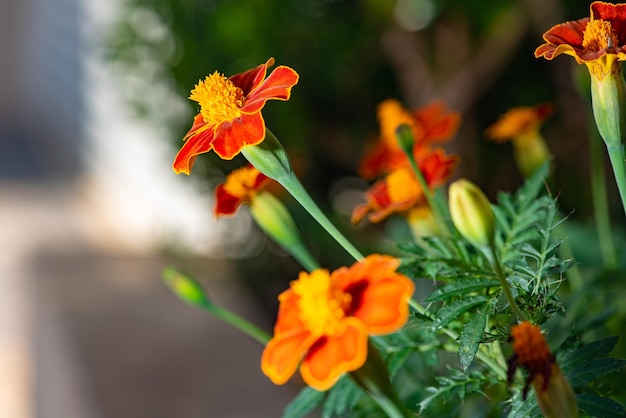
[(321, 307), (240, 182), (599, 35), (219, 99), (402, 186)]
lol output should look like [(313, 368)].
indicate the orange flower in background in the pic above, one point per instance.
[(522, 126), (519, 122), (230, 112), (240, 186), (553, 392), (400, 190), (397, 192), (324, 320), (429, 124), (598, 42)]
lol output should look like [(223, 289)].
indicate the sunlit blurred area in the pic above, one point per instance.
[(93, 108)]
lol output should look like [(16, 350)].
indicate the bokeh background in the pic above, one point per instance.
[(92, 111)]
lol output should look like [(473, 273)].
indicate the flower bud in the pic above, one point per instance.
[(471, 213), (184, 287)]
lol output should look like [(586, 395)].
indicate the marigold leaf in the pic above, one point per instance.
[(590, 370), (470, 338), (599, 407), (305, 402), (460, 288), (342, 397), (452, 311)]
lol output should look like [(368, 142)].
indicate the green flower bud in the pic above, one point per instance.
[(185, 287), (471, 213)]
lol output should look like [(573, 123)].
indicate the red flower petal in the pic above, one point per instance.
[(197, 142), (249, 80), (276, 86), (225, 203), (231, 137)]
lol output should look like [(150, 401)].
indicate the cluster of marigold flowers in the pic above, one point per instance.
[(325, 318)]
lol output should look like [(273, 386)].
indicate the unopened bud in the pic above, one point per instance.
[(184, 287), (471, 213)]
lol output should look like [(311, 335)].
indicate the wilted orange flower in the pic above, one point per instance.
[(429, 124), (400, 190), (241, 186), (519, 122), (230, 112), (598, 42), (554, 394), (324, 320)]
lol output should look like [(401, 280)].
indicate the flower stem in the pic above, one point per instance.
[(270, 158), (600, 202), (608, 99), (618, 161), (238, 322), (406, 140), (295, 188), (506, 289)]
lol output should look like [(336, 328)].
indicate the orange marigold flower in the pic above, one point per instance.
[(598, 42), (324, 320), (400, 190), (429, 124), (241, 186), (519, 122), (230, 112), (554, 394)]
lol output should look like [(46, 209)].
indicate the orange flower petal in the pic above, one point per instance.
[(283, 353), (383, 307), (231, 137), (438, 124), (332, 356), (379, 293)]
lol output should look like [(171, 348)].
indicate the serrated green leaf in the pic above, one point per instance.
[(461, 287), (591, 351), (589, 370), (452, 311), (599, 407), (305, 402), (527, 408), (471, 336), (342, 397)]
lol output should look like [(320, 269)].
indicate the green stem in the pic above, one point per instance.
[(270, 158), (238, 322), (608, 99), (506, 289), (600, 202), (406, 140), (618, 161), (297, 190), (482, 356)]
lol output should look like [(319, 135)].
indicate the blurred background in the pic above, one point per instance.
[(93, 106)]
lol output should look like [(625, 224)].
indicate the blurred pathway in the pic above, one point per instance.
[(86, 333)]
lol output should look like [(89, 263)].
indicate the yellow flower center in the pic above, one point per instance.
[(219, 99), (240, 182), (321, 307), (402, 186), (599, 35)]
